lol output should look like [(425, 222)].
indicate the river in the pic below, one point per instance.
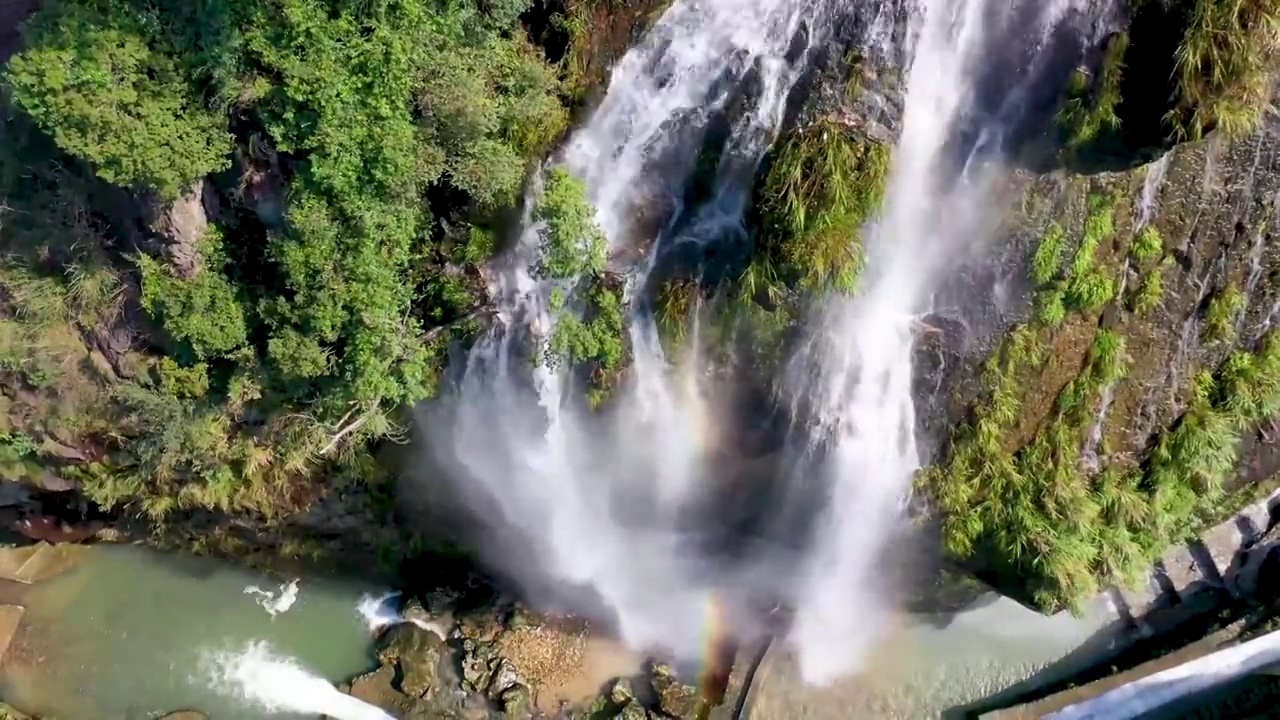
[(128, 633)]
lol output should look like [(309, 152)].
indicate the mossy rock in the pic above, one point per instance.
[(420, 656), (675, 699)]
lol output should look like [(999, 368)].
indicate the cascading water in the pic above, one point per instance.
[(592, 509), (592, 502), (279, 685), (852, 383)]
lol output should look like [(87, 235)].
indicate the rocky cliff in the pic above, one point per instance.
[(1100, 377)]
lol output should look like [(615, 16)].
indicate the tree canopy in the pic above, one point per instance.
[(391, 133)]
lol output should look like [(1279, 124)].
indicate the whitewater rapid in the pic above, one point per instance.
[(257, 675)]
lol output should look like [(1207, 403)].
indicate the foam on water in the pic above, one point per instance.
[(278, 684), (377, 612)]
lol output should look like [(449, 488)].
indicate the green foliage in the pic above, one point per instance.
[(1191, 461), (91, 77), (401, 131), (1067, 529), (1221, 314), (1090, 111), (1151, 290), (1037, 508), (201, 312), (590, 333), (1024, 498), (822, 186), (594, 338), (1047, 262), (1147, 246), (1082, 286), (1051, 307), (1222, 67), (572, 244), (677, 302)]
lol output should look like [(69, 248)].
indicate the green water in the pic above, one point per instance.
[(126, 635)]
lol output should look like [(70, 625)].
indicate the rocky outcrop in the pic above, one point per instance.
[(1102, 368), (182, 224), (502, 661)]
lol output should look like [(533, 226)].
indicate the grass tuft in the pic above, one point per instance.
[(822, 186), (1222, 67)]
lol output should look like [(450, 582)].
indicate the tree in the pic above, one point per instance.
[(90, 79)]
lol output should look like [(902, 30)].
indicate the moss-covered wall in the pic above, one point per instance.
[(1118, 403)]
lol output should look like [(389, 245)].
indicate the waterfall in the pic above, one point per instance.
[(278, 685), (599, 511), (586, 507), (853, 380), (378, 611)]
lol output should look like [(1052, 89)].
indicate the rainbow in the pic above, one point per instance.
[(718, 650)]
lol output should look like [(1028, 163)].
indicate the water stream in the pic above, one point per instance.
[(130, 632)]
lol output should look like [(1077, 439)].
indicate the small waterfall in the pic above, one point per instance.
[(278, 685), (853, 380), (1089, 453), (1150, 190), (377, 611), (585, 508)]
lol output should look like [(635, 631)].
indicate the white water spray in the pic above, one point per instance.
[(378, 612), (278, 684), (853, 381), (1151, 184)]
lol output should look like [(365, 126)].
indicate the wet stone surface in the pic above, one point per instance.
[(497, 661)]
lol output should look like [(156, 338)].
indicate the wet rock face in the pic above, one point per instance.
[(1176, 259)]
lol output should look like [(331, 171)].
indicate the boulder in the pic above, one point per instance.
[(621, 692), (378, 688), (633, 711), (675, 699), (185, 715), (418, 654), (476, 660), (182, 224), (503, 678), (517, 701)]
